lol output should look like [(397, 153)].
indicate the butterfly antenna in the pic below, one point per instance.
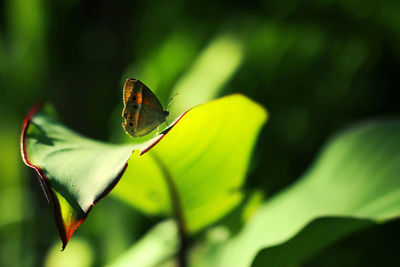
[(171, 100), (166, 110)]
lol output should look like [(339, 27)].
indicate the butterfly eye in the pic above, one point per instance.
[(134, 98), (131, 124)]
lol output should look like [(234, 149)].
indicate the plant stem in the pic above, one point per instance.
[(178, 213)]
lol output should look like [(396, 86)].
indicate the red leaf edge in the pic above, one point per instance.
[(65, 234), (164, 133)]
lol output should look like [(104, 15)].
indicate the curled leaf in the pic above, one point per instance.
[(75, 171), (196, 169)]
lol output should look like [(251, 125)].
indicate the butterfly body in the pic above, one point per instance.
[(142, 111)]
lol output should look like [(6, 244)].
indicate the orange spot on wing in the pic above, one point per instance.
[(139, 98)]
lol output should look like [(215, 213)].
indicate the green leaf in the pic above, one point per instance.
[(205, 156), (200, 164), (79, 254), (157, 246), (218, 62), (75, 171), (213, 68), (354, 182), (308, 242)]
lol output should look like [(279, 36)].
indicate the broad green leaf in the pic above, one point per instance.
[(79, 254), (206, 158), (158, 245), (212, 69), (354, 182), (201, 167), (75, 171), (202, 81), (308, 242)]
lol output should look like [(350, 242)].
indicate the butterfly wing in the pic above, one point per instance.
[(151, 113), (128, 90), (142, 110), (129, 112)]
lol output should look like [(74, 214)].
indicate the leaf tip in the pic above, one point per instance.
[(69, 230), (264, 115)]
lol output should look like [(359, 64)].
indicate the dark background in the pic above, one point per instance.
[(317, 66)]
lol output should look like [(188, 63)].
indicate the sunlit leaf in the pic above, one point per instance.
[(158, 245), (75, 171), (202, 81), (200, 164), (79, 254), (214, 66), (355, 180), (205, 156)]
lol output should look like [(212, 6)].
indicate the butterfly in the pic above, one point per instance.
[(142, 111)]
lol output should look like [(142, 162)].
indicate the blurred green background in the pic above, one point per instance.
[(317, 66)]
